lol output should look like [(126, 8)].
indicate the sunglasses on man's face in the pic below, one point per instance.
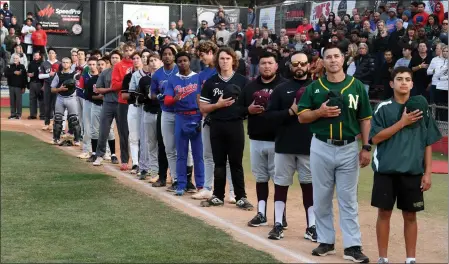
[(297, 63), (141, 41), (445, 23)]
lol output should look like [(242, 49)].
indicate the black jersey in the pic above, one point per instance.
[(215, 87)]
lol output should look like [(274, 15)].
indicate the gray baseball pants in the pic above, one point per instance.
[(66, 103), (148, 143), (108, 113), (209, 164), (87, 106), (95, 115), (134, 124), (335, 166), (262, 159), (287, 164)]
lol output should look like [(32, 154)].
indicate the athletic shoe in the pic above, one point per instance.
[(124, 167), (159, 183), (277, 232), (114, 159), (12, 117), (92, 158), (311, 233), (284, 222), (142, 175), (76, 143), (202, 195), (382, 261), (107, 157), (231, 199), (56, 141), (31, 118), (98, 161), (18, 117), (258, 220), (355, 254), (84, 155), (173, 187), (213, 201), (190, 188), (323, 250), (46, 127), (134, 169), (153, 178), (179, 193), (244, 204)]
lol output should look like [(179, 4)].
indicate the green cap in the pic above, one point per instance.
[(335, 99), (418, 102)]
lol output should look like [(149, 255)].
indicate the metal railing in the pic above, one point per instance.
[(116, 40)]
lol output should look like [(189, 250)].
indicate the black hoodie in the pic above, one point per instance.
[(259, 127)]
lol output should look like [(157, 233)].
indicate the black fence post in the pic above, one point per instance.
[(95, 24)]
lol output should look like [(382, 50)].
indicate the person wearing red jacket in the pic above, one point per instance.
[(304, 27), (39, 39), (420, 19), (121, 69)]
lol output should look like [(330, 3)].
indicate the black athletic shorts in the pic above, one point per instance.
[(404, 188)]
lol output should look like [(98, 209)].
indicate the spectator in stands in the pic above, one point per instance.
[(138, 34), (129, 31), (238, 31), (406, 16), (374, 21), (422, 37), (420, 19), (30, 15), (304, 27), (364, 66), (355, 36), (156, 38), (331, 19), (367, 29), (356, 24), (444, 31), (342, 41), (253, 57), (18, 50), (17, 81), (419, 64), (195, 42), (380, 43), (15, 25), (410, 39), (385, 75), (316, 66), (432, 27), (179, 41), (39, 39), (406, 57), (141, 45), (223, 33), (438, 11), (383, 12), (339, 25), (7, 14), (180, 28), (436, 63), (242, 65), (413, 8), (11, 40), (391, 21), (395, 38), (204, 32), (349, 66), (189, 35), (441, 94), (27, 31), (321, 20), (3, 32), (221, 16), (266, 40), (400, 11), (251, 17)]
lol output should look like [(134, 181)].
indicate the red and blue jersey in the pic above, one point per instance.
[(159, 81), (206, 74), (187, 88)]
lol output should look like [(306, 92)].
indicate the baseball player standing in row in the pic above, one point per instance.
[(292, 147), (208, 51), (338, 109), (261, 130), (65, 99), (183, 93)]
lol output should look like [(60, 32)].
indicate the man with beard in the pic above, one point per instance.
[(218, 96), (292, 146), (261, 131), (338, 109), (109, 111), (208, 50)]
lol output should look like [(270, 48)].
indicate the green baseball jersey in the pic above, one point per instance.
[(356, 107), (404, 151)]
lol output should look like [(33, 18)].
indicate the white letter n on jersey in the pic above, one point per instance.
[(353, 102)]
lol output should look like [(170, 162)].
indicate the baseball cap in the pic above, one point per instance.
[(261, 98), (392, 10), (335, 99), (231, 90), (240, 34), (417, 102)]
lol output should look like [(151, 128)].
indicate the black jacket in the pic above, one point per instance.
[(259, 126), (364, 68), (291, 136), (380, 43), (33, 67), (14, 80), (393, 42)]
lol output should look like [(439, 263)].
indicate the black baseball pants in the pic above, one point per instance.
[(161, 155), (227, 140)]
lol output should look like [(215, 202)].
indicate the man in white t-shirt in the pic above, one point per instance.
[(173, 32), (27, 30)]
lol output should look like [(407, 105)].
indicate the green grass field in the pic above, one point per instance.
[(55, 209)]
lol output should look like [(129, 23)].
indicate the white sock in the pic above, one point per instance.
[(261, 206), (93, 153), (408, 260), (279, 207), (311, 216), (385, 259)]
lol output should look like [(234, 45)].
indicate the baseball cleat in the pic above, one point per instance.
[(142, 175), (324, 249), (173, 187), (153, 177), (382, 261), (134, 169), (179, 193), (92, 158), (213, 201), (277, 232), (311, 233), (114, 159), (190, 188), (355, 254), (98, 161), (107, 157), (258, 220), (84, 155), (159, 183), (202, 195), (244, 204), (56, 142)]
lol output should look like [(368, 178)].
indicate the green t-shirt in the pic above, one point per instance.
[(404, 151), (356, 107)]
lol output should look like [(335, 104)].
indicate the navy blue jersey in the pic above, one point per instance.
[(206, 74), (188, 88), (159, 82)]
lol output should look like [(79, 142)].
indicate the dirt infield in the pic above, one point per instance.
[(432, 239)]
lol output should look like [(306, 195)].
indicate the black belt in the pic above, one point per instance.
[(336, 142)]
